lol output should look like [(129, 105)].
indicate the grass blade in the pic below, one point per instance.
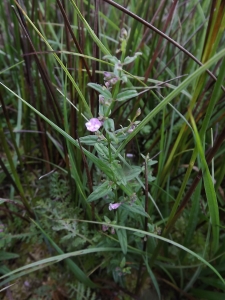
[(209, 189)]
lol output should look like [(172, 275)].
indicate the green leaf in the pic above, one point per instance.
[(130, 59), (112, 59), (101, 191), (118, 172), (7, 255), (123, 262), (2, 201), (101, 89), (4, 270), (102, 150), (128, 94), (122, 236), (109, 125), (89, 140), (152, 276), (113, 138), (209, 189), (193, 218), (133, 172), (74, 170), (134, 208)]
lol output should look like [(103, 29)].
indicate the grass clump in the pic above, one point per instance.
[(111, 165)]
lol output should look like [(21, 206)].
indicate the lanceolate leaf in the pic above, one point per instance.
[(137, 209), (126, 95), (130, 59), (89, 140), (101, 89), (122, 236), (7, 255), (101, 191)]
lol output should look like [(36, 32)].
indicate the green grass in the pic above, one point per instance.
[(153, 73)]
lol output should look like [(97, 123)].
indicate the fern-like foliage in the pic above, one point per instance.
[(57, 215), (78, 291)]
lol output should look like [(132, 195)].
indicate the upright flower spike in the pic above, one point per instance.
[(93, 124), (114, 205)]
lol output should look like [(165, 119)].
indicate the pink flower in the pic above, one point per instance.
[(114, 80), (93, 124), (105, 227), (114, 205), (107, 75), (131, 129)]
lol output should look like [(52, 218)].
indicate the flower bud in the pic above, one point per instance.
[(101, 99), (105, 227), (107, 75), (107, 84), (114, 80), (123, 33), (138, 112), (131, 129)]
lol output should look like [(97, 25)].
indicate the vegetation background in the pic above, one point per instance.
[(135, 208)]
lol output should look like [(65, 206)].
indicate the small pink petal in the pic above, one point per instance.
[(93, 124), (114, 80), (131, 129), (114, 205), (107, 75), (105, 227)]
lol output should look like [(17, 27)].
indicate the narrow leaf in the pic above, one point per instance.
[(101, 89), (101, 191), (126, 95), (122, 236), (7, 255), (209, 189), (134, 208), (130, 59)]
